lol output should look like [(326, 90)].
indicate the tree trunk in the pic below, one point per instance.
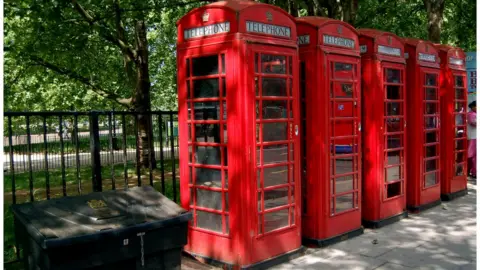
[(349, 11), (435, 18), (293, 8), (141, 99)]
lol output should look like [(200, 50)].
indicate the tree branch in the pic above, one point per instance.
[(79, 78), (103, 30)]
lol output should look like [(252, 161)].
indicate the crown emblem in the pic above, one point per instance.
[(269, 16), (389, 39), (339, 29), (205, 16)]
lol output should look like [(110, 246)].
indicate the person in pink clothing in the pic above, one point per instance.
[(472, 139)]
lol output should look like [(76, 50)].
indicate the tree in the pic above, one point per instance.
[(103, 46), (435, 18)]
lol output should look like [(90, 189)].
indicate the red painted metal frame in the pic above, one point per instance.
[(420, 140), (239, 242), (377, 125), (320, 217), (453, 104)]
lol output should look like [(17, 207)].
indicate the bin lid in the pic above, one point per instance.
[(80, 219)]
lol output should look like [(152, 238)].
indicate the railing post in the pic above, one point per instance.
[(95, 152)]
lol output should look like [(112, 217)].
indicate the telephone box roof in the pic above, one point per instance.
[(374, 34), (235, 6), (320, 22)]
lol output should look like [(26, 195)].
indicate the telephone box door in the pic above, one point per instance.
[(431, 128), (277, 149), (394, 134), (344, 136), (460, 146)]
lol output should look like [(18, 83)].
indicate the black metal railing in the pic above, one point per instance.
[(54, 154)]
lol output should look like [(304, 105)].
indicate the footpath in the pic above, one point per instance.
[(441, 238)]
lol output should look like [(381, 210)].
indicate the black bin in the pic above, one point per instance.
[(134, 229)]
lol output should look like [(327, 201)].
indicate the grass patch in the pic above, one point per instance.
[(85, 174)]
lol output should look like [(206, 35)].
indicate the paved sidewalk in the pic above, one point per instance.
[(440, 238)]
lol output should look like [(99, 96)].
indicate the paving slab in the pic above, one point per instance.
[(441, 238)]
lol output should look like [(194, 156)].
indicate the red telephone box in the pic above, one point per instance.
[(238, 124), (423, 116), (330, 113), (383, 95), (453, 105)]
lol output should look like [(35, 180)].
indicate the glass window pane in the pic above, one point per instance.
[(459, 169), (459, 81), (227, 224), (205, 65), (459, 120), (393, 92), (275, 154), (225, 134), (274, 131), (225, 172), (209, 221), (459, 131), (274, 109), (430, 179), (188, 91), (431, 137), (393, 75), (460, 93), (208, 155), (431, 79), (290, 64), (207, 133), (431, 151), (256, 62), (344, 184), (223, 64), (226, 202), (208, 177), (207, 88), (344, 128), (260, 224), (344, 202), (273, 64), (275, 176), (392, 174), (394, 124), (343, 70), (344, 165), (206, 110), (341, 90), (187, 67), (430, 108), (431, 122), (274, 87), (393, 157), (393, 108), (430, 165), (275, 198), (276, 220), (209, 199), (292, 216), (430, 94), (343, 67), (394, 189), (459, 144), (459, 157), (459, 106), (394, 141)]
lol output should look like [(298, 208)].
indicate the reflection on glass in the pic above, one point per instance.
[(431, 137), (275, 154), (206, 110), (223, 64), (459, 170), (343, 70), (343, 184), (459, 94), (274, 132), (430, 108), (394, 189), (430, 122), (393, 108), (459, 107), (273, 64), (205, 65), (430, 151), (430, 94), (430, 179), (393, 157), (208, 177), (276, 220), (394, 124), (344, 165), (275, 198), (459, 145), (458, 81), (207, 88), (393, 92), (274, 109), (430, 165), (459, 157), (341, 90), (274, 87), (209, 221), (392, 174), (459, 132), (209, 199), (394, 141), (207, 133), (393, 75), (208, 155), (344, 203), (430, 79), (343, 67), (275, 176)]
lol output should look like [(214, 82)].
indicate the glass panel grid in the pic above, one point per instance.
[(431, 115), (207, 124), (460, 135)]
